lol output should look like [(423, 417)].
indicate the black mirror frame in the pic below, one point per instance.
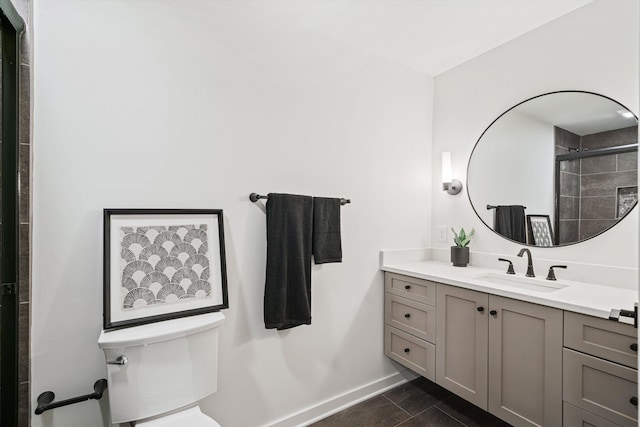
[(555, 233)]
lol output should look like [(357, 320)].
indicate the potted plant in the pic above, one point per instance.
[(460, 252)]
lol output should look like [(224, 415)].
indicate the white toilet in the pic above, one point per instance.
[(158, 372)]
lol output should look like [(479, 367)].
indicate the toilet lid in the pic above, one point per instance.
[(191, 417)]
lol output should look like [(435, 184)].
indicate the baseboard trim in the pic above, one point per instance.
[(343, 401)]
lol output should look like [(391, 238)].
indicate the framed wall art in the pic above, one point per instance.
[(161, 264), (539, 228)]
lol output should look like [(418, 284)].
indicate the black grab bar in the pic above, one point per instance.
[(45, 400)]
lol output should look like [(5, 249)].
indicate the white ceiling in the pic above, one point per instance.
[(578, 112), (431, 36)]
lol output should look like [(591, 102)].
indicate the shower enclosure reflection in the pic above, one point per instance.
[(596, 181)]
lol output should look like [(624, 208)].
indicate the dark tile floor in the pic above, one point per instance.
[(419, 403)]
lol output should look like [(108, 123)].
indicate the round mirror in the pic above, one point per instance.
[(556, 169)]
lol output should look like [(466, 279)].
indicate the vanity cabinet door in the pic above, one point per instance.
[(461, 343), (607, 389), (525, 362), (414, 353), (415, 289), (574, 416), (617, 342), (410, 316)]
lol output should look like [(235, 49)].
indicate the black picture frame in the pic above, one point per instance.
[(539, 230), (161, 264)]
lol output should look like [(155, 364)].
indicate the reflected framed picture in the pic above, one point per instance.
[(162, 264), (539, 230), (626, 199)]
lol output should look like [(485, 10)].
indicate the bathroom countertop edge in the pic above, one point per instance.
[(585, 298)]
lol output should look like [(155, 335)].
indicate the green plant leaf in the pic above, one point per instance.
[(462, 239)]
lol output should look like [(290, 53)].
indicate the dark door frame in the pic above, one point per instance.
[(12, 25)]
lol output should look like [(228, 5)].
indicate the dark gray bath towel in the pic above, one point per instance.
[(510, 222), (287, 293), (327, 245)]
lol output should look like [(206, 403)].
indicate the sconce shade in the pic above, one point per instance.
[(447, 175), (450, 185)]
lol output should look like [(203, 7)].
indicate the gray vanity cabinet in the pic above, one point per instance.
[(462, 337), (503, 355), (528, 364), (410, 323), (525, 362), (600, 372)]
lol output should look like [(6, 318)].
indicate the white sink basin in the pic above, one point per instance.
[(521, 282)]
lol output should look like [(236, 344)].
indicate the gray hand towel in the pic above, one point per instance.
[(287, 293), (509, 221), (327, 246)]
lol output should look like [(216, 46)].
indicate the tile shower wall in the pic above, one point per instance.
[(601, 177), (588, 187), (569, 186)]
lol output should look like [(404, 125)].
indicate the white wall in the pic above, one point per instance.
[(191, 104), (513, 164), (595, 48)]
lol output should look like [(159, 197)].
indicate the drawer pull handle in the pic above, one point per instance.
[(634, 346), (407, 287), (407, 350), (480, 309), (408, 315), (493, 313), (634, 401)]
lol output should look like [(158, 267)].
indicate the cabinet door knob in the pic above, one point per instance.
[(407, 287), (493, 313), (634, 401), (634, 346), (407, 350), (480, 309)]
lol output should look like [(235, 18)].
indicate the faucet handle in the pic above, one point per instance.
[(510, 269), (552, 275)]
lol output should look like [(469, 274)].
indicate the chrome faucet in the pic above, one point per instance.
[(529, 263)]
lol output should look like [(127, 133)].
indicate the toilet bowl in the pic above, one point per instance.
[(157, 373)]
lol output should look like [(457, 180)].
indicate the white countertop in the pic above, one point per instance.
[(585, 298)]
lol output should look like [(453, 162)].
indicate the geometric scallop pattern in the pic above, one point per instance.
[(163, 265), (541, 234)]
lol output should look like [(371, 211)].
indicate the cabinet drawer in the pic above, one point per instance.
[(414, 353), (601, 337), (409, 316), (601, 387), (418, 290), (576, 417)]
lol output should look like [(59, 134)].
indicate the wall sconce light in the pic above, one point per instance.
[(450, 185)]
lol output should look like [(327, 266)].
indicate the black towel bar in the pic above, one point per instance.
[(45, 400), (254, 197), (494, 207)]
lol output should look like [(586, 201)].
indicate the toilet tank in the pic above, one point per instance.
[(170, 364)]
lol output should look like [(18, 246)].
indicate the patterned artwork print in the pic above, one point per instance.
[(163, 265), (541, 234)]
